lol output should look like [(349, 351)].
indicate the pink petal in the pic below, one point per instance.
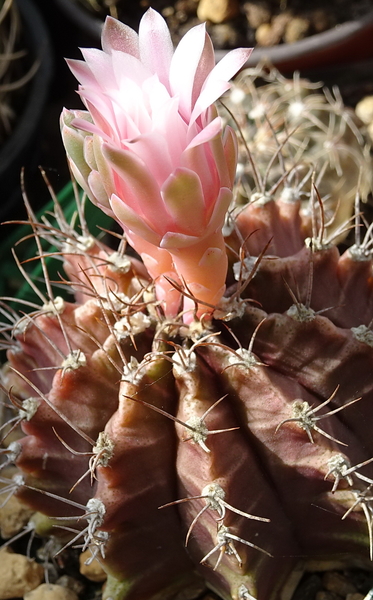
[(184, 66), (205, 66), (81, 72), (178, 240), (200, 161), (153, 150), (100, 111), (220, 210), (169, 123), (118, 36), (207, 133), (220, 158), (130, 112), (217, 81), (89, 127), (229, 65), (132, 221), (140, 189), (156, 48), (208, 96), (231, 153), (101, 67), (127, 67), (183, 197)]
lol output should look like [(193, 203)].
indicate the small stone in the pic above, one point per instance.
[(50, 591), (18, 575), (264, 36), (257, 13), (355, 596), (92, 571), (13, 517), (364, 110), (338, 584), (297, 29), (218, 11)]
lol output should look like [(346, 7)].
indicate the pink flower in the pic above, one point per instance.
[(151, 150)]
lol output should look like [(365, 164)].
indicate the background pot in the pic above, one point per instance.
[(345, 43), (19, 149)]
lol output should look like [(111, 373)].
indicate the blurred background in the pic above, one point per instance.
[(65, 38)]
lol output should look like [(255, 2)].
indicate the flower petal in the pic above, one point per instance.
[(231, 153), (98, 190), (207, 133), (184, 66), (132, 221), (81, 71), (229, 65), (140, 189), (153, 150), (74, 144), (101, 67), (118, 36), (205, 66), (220, 210), (156, 48), (183, 197), (217, 81), (174, 241), (126, 66)]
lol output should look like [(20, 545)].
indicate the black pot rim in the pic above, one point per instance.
[(37, 37)]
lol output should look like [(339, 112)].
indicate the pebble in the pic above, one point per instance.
[(257, 13), (297, 29), (13, 517), (364, 110), (93, 571), (18, 575), (355, 596), (218, 11), (338, 584), (270, 34), (264, 35), (50, 591)]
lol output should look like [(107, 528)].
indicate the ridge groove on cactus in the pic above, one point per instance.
[(190, 435)]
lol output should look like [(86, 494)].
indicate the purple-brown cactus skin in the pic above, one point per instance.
[(233, 451)]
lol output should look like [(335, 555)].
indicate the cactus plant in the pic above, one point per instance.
[(222, 438)]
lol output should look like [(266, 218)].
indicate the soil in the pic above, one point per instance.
[(254, 22)]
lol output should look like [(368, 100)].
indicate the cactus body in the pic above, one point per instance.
[(231, 450)]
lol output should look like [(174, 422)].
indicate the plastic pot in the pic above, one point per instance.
[(345, 43), (20, 147)]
